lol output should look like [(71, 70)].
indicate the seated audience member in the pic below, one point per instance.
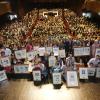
[(94, 61)]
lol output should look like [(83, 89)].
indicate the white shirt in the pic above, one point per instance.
[(94, 61)]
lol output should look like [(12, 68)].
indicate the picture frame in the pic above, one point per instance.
[(21, 69), (41, 51), (97, 51), (83, 73), (30, 55), (56, 78), (72, 79), (81, 51), (97, 72), (3, 76), (52, 61), (62, 53), (56, 51), (20, 54), (5, 61), (91, 71), (37, 75)]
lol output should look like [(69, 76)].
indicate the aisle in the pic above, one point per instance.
[(25, 90)]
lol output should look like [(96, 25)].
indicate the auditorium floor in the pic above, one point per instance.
[(25, 90)]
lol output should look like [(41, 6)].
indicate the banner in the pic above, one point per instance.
[(3, 76), (83, 73), (72, 79), (42, 51), (97, 51), (56, 51), (21, 69), (56, 78), (5, 62), (37, 75), (82, 51), (52, 61), (62, 53), (20, 54)]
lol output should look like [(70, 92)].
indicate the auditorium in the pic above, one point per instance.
[(49, 49)]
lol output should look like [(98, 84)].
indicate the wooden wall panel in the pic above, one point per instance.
[(4, 7), (93, 5), (48, 1)]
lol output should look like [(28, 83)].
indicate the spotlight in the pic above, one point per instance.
[(99, 13), (87, 14)]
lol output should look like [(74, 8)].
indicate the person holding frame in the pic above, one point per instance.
[(93, 64), (69, 66)]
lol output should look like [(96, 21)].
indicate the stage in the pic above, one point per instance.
[(22, 89)]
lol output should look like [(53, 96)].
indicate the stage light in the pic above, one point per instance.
[(12, 17), (87, 15), (99, 13)]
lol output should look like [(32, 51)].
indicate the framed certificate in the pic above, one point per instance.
[(83, 73), (91, 71), (98, 73), (56, 51), (36, 75), (56, 78), (42, 51), (97, 51), (19, 69), (52, 61), (30, 55), (72, 79), (3, 76), (48, 50), (62, 53), (5, 62), (20, 54), (82, 51)]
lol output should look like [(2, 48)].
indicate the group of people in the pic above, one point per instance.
[(50, 32)]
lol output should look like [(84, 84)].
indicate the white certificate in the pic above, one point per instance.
[(30, 55), (49, 50), (5, 62), (62, 53), (56, 51), (52, 61), (98, 72), (78, 51), (72, 79), (91, 71), (56, 78), (83, 73), (37, 75), (97, 51), (86, 51), (42, 51), (20, 54), (3, 76), (21, 69), (82, 51)]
